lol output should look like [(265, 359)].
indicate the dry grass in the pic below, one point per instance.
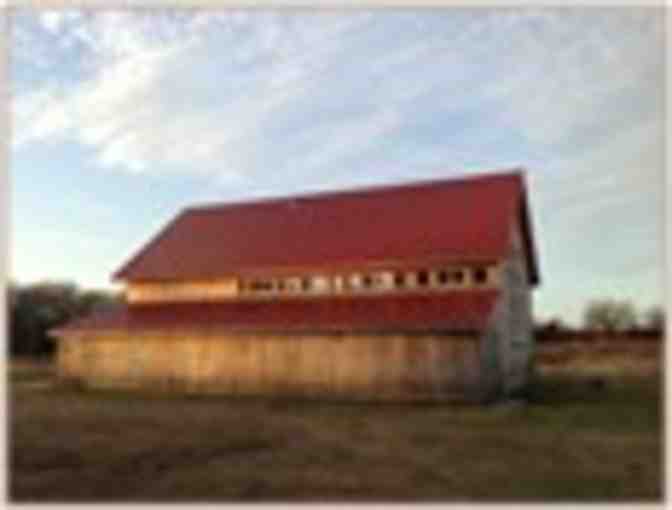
[(576, 441)]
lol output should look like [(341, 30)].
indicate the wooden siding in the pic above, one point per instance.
[(395, 367), (158, 292), (491, 370), (513, 322)]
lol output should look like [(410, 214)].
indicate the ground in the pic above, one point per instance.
[(591, 432)]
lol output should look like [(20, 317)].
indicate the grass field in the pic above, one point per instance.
[(577, 440)]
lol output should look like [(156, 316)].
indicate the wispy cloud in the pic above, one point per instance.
[(160, 79)]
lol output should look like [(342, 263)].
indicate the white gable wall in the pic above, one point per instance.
[(514, 322)]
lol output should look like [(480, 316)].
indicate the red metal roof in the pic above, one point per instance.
[(450, 311), (451, 218)]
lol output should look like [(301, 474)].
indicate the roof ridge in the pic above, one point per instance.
[(516, 171)]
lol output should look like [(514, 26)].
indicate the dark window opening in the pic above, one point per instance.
[(261, 285), (447, 276), (306, 284), (399, 279), (480, 275), (423, 278), (367, 281), (379, 280)]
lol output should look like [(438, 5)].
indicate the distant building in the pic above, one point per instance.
[(418, 291)]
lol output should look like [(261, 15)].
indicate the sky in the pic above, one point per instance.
[(122, 118)]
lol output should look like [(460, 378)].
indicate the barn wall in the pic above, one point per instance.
[(492, 370), (146, 292), (348, 366), (322, 285), (514, 324)]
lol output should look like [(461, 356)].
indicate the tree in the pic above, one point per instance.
[(654, 318), (610, 316), (555, 325), (35, 309)]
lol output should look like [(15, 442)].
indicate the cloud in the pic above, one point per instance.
[(575, 71), (222, 92), (140, 111), (93, 111), (232, 76), (51, 20)]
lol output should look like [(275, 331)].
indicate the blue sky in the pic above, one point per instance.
[(121, 118)]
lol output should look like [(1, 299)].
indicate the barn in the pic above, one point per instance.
[(410, 292)]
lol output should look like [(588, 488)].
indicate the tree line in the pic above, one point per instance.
[(37, 308), (614, 316)]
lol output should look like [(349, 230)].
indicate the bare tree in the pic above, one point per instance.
[(610, 315), (555, 324), (654, 318)]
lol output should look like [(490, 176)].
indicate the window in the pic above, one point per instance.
[(447, 276), (480, 275), (338, 283), (382, 280), (379, 280), (293, 284), (355, 282), (261, 286), (320, 284)]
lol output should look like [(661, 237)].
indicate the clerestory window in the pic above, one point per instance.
[(480, 275)]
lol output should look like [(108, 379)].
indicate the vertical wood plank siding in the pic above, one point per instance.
[(513, 322), (159, 292), (338, 365)]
